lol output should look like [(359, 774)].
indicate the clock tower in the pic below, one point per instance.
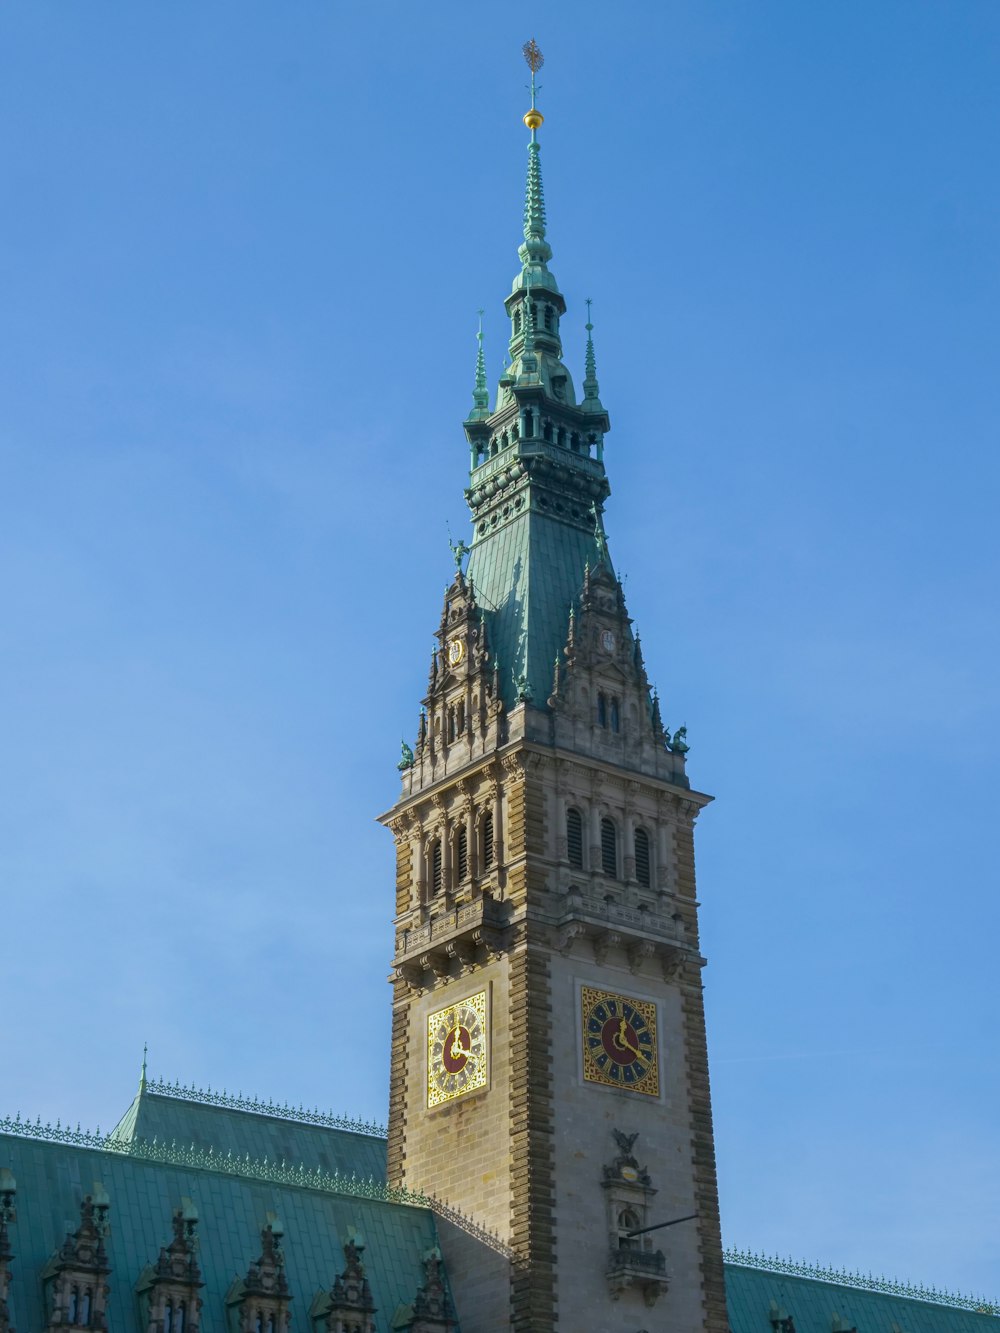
[(549, 1073)]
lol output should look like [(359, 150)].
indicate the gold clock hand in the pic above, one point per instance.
[(622, 1042)]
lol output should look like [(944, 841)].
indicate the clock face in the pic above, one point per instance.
[(607, 641), (456, 1050), (619, 1041), (456, 652)]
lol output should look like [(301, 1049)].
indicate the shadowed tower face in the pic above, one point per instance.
[(549, 1070)]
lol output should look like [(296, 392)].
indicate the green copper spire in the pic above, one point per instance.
[(534, 198), (591, 389), (480, 394), (535, 252), (537, 480)]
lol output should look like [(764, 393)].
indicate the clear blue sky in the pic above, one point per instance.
[(241, 250)]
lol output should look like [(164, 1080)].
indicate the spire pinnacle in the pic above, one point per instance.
[(142, 1072), (535, 250), (480, 394), (591, 389)]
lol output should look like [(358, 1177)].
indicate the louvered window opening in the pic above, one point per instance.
[(609, 849), (642, 856), (437, 870), (488, 841), (574, 838), (462, 856)]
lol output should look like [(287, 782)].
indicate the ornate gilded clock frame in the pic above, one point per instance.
[(458, 1054), (618, 1041)]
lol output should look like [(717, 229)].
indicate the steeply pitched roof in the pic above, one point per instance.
[(185, 1117), (528, 575), (237, 1166), (760, 1300), (53, 1177)]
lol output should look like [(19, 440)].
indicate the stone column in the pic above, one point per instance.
[(662, 849), (419, 845), (628, 836), (559, 804), (497, 794), (595, 834)]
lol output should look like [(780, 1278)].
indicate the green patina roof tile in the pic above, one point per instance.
[(756, 1297)]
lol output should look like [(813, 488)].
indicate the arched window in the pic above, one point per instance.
[(529, 424), (642, 857), (548, 317), (462, 854), (574, 837), (615, 720), (73, 1305), (270, 1323), (451, 724), (437, 869), (258, 1324), (602, 710), (487, 840), (547, 431), (609, 849), (460, 716), (179, 1318), (84, 1316), (628, 1220), (517, 322)]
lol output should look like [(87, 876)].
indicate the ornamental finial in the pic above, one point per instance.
[(536, 60)]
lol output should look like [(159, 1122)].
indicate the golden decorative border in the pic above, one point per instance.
[(650, 1085), (480, 1078)]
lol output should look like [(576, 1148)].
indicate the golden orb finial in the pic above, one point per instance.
[(533, 119)]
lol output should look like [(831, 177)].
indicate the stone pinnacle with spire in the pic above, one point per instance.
[(591, 389), (480, 394)]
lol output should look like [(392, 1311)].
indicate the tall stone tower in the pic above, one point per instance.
[(549, 1070)]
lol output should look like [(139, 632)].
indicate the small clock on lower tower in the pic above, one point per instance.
[(457, 1050), (619, 1041)]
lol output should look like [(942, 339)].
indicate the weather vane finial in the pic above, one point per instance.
[(535, 60)]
